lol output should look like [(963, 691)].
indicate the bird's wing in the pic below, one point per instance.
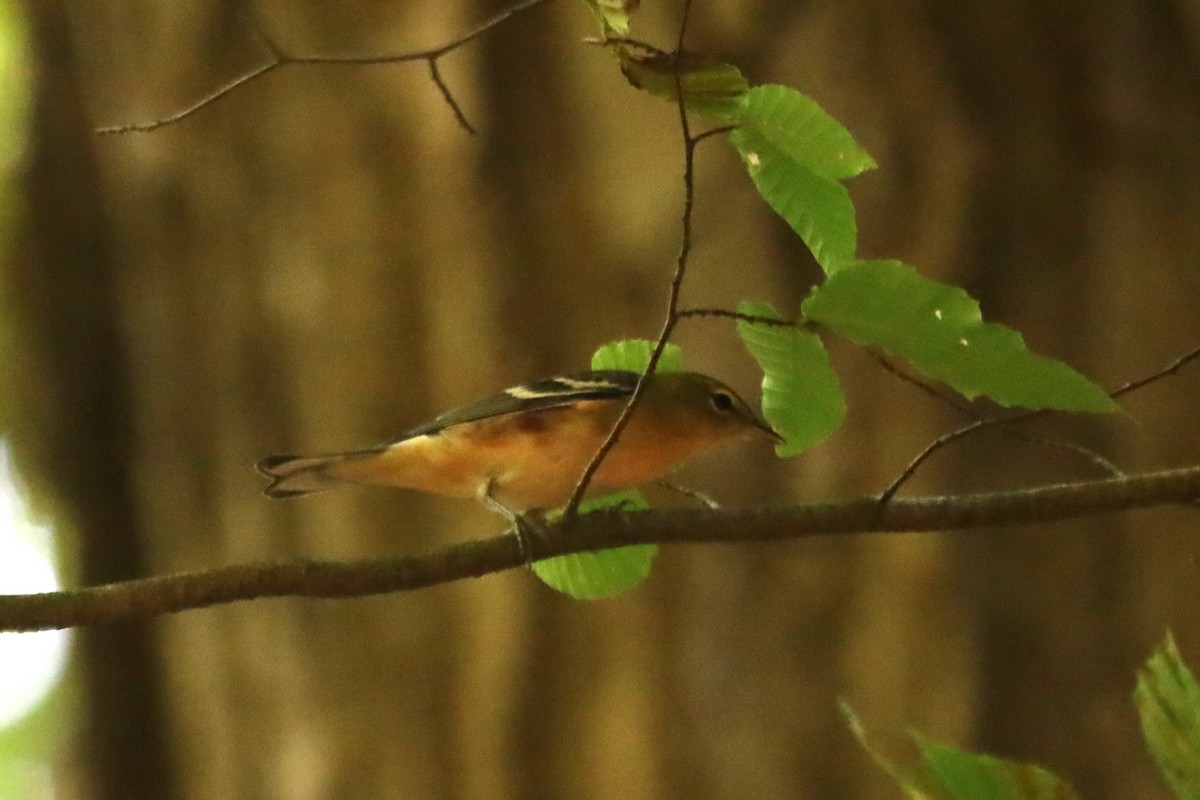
[(548, 393)]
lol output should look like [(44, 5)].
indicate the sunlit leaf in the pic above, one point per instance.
[(590, 576), (803, 131), (938, 772), (1168, 703), (632, 355), (940, 331), (816, 207), (800, 393)]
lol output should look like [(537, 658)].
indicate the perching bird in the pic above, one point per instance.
[(526, 447)]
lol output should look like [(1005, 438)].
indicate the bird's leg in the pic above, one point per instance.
[(520, 522), (692, 493)]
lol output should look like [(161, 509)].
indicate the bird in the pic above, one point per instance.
[(525, 448)]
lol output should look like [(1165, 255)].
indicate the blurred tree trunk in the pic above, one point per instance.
[(70, 420), (323, 259)]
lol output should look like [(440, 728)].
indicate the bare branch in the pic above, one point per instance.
[(925, 388), (1086, 453), (979, 424), (1168, 370), (322, 579), (484, 27), (183, 113), (438, 81), (679, 51), (280, 58), (692, 494), (708, 134), (1091, 456), (906, 474), (736, 315), (672, 318)]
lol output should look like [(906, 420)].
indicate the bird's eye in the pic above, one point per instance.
[(721, 401)]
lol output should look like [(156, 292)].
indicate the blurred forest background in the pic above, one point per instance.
[(325, 258)]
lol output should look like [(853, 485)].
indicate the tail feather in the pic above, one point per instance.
[(296, 476)]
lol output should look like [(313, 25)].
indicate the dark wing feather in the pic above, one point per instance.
[(548, 393)]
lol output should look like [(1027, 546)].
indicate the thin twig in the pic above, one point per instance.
[(925, 388), (187, 111), (449, 97), (281, 58), (1094, 458), (698, 496), (672, 317), (979, 424), (736, 315), (604, 529), (1169, 369), (887, 494), (1086, 453), (700, 137)]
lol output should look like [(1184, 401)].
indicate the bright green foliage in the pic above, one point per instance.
[(798, 157), (940, 331), (803, 131), (796, 154), (939, 772), (800, 393), (816, 207), (632, 355), (589, 576), (1168, 703), (710, 88), (613, 15)]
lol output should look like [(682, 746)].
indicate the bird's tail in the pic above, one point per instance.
[(295, 476)]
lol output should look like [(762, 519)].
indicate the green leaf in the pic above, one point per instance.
[(711, 88), (632, 355), (613, 15), (803, 131), (590, 576), (801, 397), (1168, 703), (939, 772), (816, 207), (796, 154), (940, 331)]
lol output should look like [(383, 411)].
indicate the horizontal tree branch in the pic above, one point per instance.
[(323, 579)]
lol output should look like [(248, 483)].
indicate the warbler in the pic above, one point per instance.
[(525, 448)]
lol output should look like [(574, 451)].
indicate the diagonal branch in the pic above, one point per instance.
[(571, 510), (281, 58), (1100, 462), (323, 579), (979, 424), (1165, 372)]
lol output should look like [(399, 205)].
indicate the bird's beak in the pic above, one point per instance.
[(762, 425)]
